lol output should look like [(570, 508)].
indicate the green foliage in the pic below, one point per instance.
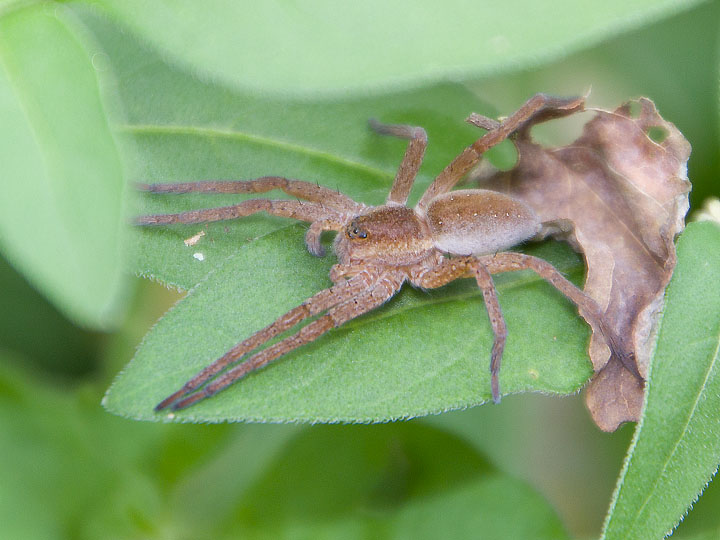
[(71, 470), (140, 91)]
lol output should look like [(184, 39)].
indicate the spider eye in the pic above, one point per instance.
[(353, 231)]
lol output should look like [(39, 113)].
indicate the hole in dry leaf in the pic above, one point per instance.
[(634, 109), (504, 156), (657, 133)]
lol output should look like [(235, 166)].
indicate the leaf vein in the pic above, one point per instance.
[(174, 129)]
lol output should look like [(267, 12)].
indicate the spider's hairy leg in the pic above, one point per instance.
[(411, 161), (322, 301), (314, 232), (303, 211), (587, 306), (301, 189), (382, 289), (451, 269), (497, 321), (538, 108)]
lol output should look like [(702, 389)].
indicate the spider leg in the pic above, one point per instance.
[(316, 304), (481, 267), (297, 188), (451, 269), (485, 282), (382, 289), (538, 108), (312, 236), (587, 306), (303, 211), (411, 161)]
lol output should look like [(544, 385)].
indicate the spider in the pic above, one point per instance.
[(446, 236)]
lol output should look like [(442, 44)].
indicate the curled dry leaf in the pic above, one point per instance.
[(618, 194)]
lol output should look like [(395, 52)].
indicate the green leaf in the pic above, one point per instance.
[(326, 47), (676, 449), (60, 211), (329, 144)]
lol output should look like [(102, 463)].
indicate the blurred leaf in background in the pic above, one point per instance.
[(328, 48), (90, 96), (61, 213), (79, 473)]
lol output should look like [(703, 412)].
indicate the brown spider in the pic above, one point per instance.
[(448, 235)]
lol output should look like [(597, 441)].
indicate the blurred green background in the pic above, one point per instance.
[(71, 470)]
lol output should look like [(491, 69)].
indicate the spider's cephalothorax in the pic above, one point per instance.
[(446, 236), (388, 235)]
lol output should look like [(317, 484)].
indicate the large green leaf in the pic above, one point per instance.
[(676, 449), (327, 47), (329, 144), (325, 143), (60, 210)]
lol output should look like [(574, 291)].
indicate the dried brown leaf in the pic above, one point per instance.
[(619, 195)]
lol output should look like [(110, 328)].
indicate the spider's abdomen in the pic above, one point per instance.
[(477, 221)]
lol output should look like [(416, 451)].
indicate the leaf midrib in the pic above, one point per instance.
[(176, 129)]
